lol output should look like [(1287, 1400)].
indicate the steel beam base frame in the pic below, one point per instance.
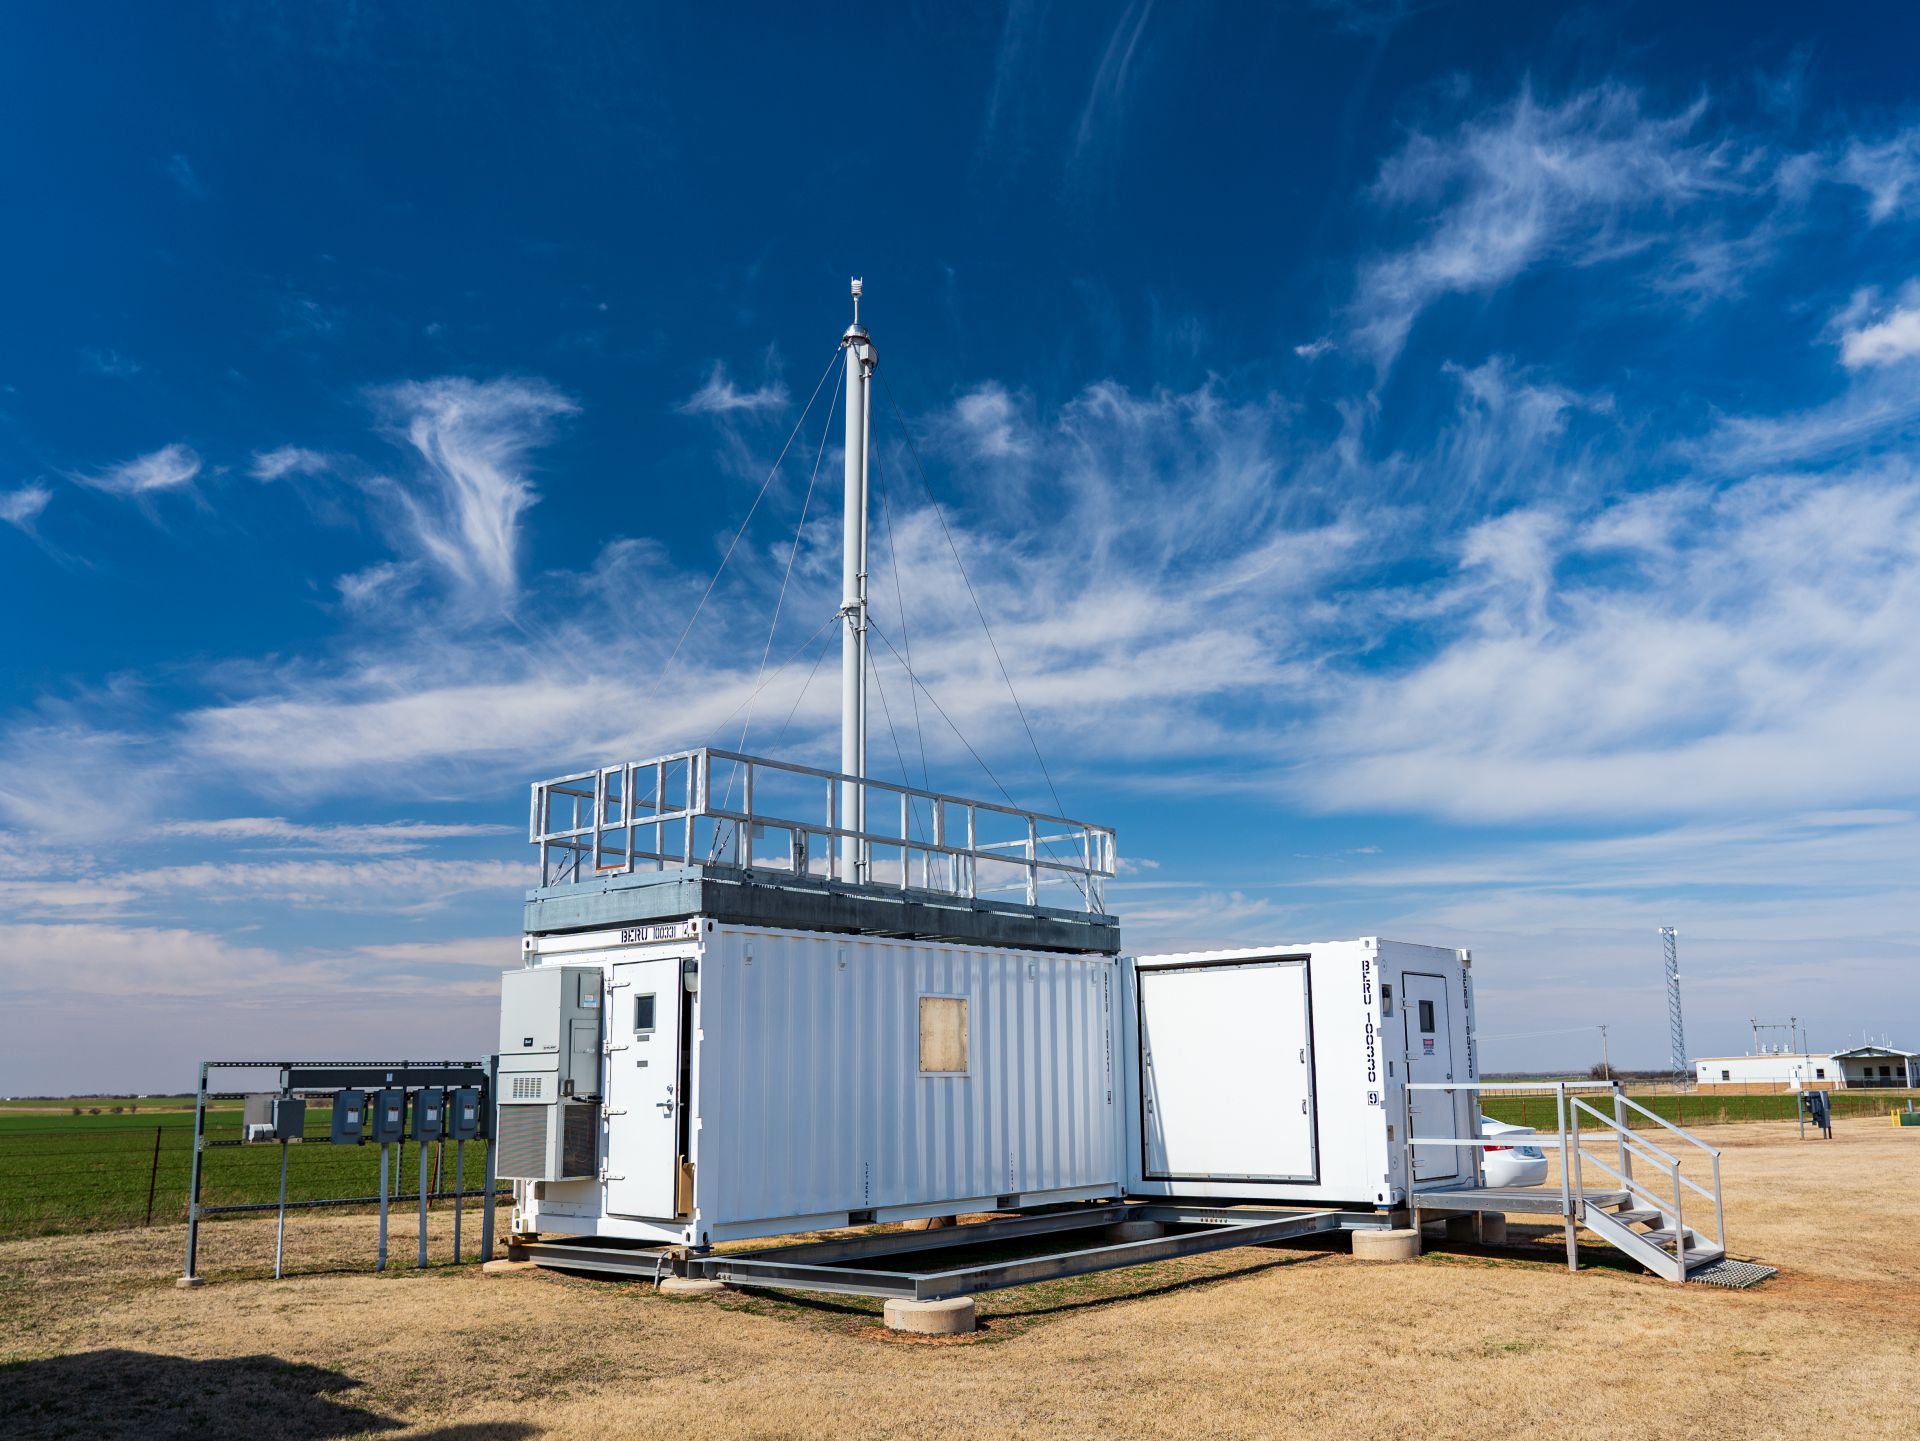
[(881, 1265)]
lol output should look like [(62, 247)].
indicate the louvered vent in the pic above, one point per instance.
[(529, 1088), (523, 1141), (579, 1144)]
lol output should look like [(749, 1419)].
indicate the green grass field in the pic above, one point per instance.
[(60, 1172), (1697, 1109)]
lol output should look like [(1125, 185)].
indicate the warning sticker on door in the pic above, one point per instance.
[(1426, 1045)]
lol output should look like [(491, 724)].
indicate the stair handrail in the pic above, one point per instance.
[(1668, 1161), (1664, 1155), (1673, 1161), (1679, 1131)]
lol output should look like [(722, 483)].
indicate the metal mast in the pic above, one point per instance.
[(1676, 1028), (853, 596)]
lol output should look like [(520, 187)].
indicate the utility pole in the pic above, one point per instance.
[(853, 597), (1676, 1028), (1606, 1061)]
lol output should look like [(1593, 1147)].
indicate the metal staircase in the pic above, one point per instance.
[(1616, 1183), (1650, 1226)]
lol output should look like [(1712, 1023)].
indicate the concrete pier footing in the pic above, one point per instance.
[(954, 1316), (1386, 1245)]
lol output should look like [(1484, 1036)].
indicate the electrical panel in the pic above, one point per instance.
[(429, 1114), (387, 1116), (465, 1121), (289, 1118), (550, 1025), (349, 1118), (548, 1121)]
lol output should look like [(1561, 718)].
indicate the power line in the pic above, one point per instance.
[(1529, 1035)]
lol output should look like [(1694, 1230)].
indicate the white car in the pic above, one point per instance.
[(1508, 1160)]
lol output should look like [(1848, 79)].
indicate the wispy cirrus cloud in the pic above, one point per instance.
[(285, 460), (181, 172), (384, 838), (1872, 335), (461, 511), (1887, 171), (111, 363), (720, 395), (23, 507), (1738, 670), (1103, 113), (1591, 178), (172, 467)]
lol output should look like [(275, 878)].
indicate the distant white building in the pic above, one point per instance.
[(1863, 1067)]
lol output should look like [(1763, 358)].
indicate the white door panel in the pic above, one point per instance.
[(643, 1088), (1430, 1058), (1227, 1072)]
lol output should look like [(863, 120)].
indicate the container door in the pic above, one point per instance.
[(643, 1088), (1423, 1007), (1226, 1072)]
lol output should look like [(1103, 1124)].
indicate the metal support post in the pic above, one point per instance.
[(491, 1106), (280, 1228), (459, 1193), (1406, 1144), (1566, 1180), (380, 1264), (189, 1277), (153, 1174), (424, 1148), (1620, 1132)]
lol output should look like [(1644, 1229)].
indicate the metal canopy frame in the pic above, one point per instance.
[(881, 1265)]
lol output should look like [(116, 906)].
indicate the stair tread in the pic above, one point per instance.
[(1638, 1214)]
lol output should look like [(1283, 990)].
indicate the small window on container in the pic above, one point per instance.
[(1819, 1073), (643, 1012), (1726, 1075), (943, 1035), (1426, 1017)]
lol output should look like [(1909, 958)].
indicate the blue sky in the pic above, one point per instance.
[(1441, 471)]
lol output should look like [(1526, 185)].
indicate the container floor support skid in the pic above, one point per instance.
[(882, 1265)]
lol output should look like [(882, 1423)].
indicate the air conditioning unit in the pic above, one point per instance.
[(548, 1142)]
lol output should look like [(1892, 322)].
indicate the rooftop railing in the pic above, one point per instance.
[(718, 807)]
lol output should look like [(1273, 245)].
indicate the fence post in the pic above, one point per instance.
[(490, 1105), (189, 1278), (153, 1175)]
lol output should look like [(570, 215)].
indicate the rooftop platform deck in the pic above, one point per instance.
[(756, 841)]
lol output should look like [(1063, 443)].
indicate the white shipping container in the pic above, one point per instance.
[(1278, 1074), (812, 1079)]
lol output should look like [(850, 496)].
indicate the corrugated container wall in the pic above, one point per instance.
[(810, 1093)]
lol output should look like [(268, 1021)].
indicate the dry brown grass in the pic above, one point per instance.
[(1248, 1343)]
